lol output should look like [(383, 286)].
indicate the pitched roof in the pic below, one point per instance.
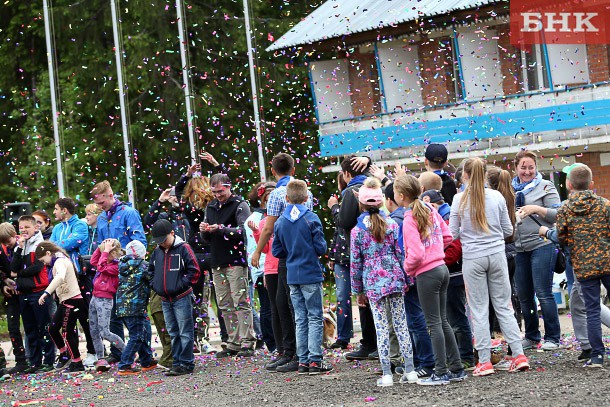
[(337, 18)]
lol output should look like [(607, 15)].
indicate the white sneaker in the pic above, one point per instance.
[(410, 377), (90, 360), (549, 346), (504, 364), (385, 381), (206, 347)]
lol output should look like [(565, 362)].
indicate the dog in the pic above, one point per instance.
[(330, 325)]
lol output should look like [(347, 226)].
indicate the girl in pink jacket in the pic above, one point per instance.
[(425, 237)]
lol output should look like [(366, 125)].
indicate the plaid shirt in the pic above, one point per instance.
[(277, 202)]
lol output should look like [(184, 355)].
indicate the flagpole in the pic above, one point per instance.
[(119, 71), (257, 121), (185, 77), (50, 62)]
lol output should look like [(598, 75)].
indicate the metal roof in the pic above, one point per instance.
[(337, 18)]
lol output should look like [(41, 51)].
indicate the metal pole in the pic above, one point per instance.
[(119, 71), (50, 54), (257, 122), (185, 77)]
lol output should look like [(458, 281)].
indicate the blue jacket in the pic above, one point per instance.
[(134, 287), (125, 224), (299, 239), (72, 236)]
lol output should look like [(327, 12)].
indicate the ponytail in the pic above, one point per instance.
[(500, 180), (378, 226), (474, 194), (421, 214)]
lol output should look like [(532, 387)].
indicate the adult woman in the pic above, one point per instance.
[(537, 201), (480, 218), (43, 220)]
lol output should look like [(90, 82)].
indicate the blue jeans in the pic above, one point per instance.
[(36, 320), (422, 345), (179, 322), (307, 303), (345, 323), (139, 341), (456, 315), (590, 291), (534, 276)]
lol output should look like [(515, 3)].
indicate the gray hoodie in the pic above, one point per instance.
[(526, 237)]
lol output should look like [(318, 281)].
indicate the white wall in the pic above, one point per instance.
[(480, 62), (400, 72), (331, 87), (568, 63)]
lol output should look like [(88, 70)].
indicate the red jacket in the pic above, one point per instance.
[(106, 280)]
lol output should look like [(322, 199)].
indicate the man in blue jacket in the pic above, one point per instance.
[(71, 233), (173, 269), (299, 239)]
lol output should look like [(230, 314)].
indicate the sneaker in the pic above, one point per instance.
[(519, 364), (32, 370), (458, 376), (549, 346), (223, 345), (273, 365), (423, 372), (483, 369), (196, 350), (585, 354), (505, 364), (63, 361), (360, 354), (178, 371), (410, 378), (468, 365), (46, 368), (129, 371), (4, 375), (260, 344), (112, 359), (226, 353), (373, 355), (206, 347), (153, 365), (102, 365), (529, 344), (595, 361), (90, 360), (74, 368), (303, 368), (386, 380), (19, 368), (339, 344), (434, 380), (245, 353), (316, 368), (164, 367), (292, 366)]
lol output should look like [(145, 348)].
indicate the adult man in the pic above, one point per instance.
[(223, 227), (118, 220), (436, 160)]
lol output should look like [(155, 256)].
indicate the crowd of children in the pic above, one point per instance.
[(437, 266)]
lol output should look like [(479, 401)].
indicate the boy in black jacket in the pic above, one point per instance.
[(173, 269)]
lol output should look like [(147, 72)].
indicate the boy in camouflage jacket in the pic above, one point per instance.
[(583, 225)]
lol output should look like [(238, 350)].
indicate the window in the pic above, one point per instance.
[(399, 62), (480, 62), (330, 82), (535, 71)]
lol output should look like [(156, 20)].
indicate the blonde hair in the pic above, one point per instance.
[(101, 188), (197, 192), (116, 251), (474, 194), (296, 191), (500, 180), (7, 230), (410, 187), (430, 181), (378, 224), (93, 208)]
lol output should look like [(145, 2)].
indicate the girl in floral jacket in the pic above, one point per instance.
[(377, 276)]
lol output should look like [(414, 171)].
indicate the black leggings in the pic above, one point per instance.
[(271, 281), (286, 313), (63, 326)]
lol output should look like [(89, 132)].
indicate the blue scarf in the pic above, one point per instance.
[(357, 180), (526, 187), (283, 181)]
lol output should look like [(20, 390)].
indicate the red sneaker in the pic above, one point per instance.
[(519, 363), (484, 369)]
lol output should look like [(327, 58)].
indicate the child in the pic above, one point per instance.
[(8, 240), (71, 303), (299, 239), (172, 270), (377, 277), (583, 226), (479, 217), (105, 259), (132, 298), (425, 236), (32, 280)]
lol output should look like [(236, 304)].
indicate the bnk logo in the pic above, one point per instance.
[(559, 22)]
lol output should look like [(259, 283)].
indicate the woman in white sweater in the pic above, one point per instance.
[(71, 304), (479, 218)]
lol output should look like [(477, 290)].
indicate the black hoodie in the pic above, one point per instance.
[(173, 272)]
